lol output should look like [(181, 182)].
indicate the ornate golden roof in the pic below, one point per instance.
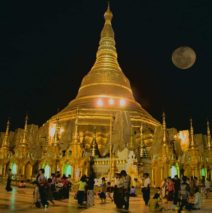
[(105, 84)]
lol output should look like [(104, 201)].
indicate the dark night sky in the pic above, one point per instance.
[(46, 49)]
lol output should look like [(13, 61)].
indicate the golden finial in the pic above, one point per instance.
[(26, 120), (191, 134), (57, 129), (25, 130), (164, 127), (208, 135), (107, 42), (76, 127), (5, 140), (141, 131), (108, 15), (8, 126)]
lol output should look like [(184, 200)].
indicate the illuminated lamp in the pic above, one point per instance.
[(111, 101), (100, 103), (122, 102)]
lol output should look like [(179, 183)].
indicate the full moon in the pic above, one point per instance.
[(183, 57)]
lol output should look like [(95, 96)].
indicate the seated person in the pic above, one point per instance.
[(21, 184), (132, 192), (154, 203), (197, 202)]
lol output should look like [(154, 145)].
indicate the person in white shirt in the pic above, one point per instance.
[(197, 200), (207, 187), (127, 183), (146, 188)]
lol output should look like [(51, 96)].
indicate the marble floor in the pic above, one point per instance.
[(20, 200)]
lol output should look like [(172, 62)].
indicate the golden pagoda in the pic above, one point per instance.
[(104, 94), (105, 89)]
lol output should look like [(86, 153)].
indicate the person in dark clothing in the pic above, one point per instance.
[(146, 188), (81, 190), (90, 191), (9, 180), (42, 183), (109, 190), (49, 191), (176, 189), (184, 194), (126, 183)]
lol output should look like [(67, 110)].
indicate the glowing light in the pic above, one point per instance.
[(14, 169), (100, 103), (61, 130), (67, 170), (111, 101), (203, 172), (122, 102), (52, 130), (184, 139), (173, 171), (47, 171)]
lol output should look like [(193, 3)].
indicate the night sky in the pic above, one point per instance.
[(46, 49)]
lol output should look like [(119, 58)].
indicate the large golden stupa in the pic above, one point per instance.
[(105, 87), (105, 100)]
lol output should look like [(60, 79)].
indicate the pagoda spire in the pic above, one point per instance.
[(75, 139), (5, 140), (76, 127), (191, 134), (106, 56), (106, 72), (56, 135), (208, 136), (25, 131), (164, 129)]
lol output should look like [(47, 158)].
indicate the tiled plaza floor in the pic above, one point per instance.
[(20, 200)]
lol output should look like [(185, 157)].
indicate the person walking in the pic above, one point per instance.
[(184, 194), (9, 180), (81, 191), (42, 183), (176, 181), (118, 195), (127, 183), (102, 194), (146, 188), (90, 191)]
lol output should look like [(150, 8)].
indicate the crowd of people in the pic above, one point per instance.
[(47, 190), (119, 192), (174, 193)]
